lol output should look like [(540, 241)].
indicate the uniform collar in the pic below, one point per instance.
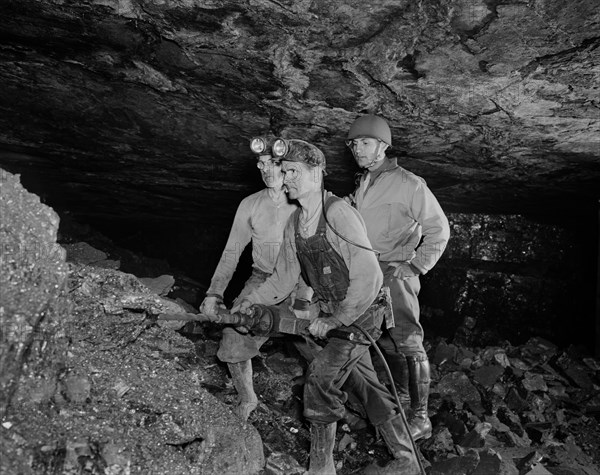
[(387, 165)]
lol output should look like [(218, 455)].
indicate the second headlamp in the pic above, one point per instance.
[(276, 147)]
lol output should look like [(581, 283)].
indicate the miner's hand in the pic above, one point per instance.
[(210, 306), (243, 307)]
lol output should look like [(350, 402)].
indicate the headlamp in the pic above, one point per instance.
[(259, 145), (280, 148)]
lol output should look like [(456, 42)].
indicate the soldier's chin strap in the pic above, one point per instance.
[(391, 378), (376, 159)]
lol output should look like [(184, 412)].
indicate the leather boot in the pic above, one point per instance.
[(322, 439), (241, 375), (395, 434), (399, 369), (419, 380)]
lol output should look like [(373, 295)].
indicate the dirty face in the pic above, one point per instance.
[(299, 179), (270, 171), (367, 151)]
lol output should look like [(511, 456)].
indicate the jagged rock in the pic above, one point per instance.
[(575, 371), (476, 438), (444, 353), (488, 375), (531, 459), (491, 463), (461, 465), (437, 447), (534, 382), (497, 426), (76, 388), (512, 420), (515, 401), (160, 285), (33, 274), (83, 253), (536, 469), (457, 387), (282, 464), (538, 432)]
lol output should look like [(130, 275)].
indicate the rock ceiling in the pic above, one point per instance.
[(143, 108)]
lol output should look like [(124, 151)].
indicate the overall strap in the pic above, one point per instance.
[(322, 226)]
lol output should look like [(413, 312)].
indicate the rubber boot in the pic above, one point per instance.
[(322, 440), (419, 380), (241, 375), (395, 434), (399, 369)]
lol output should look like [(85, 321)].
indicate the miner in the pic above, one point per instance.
[(325, 241), (260, 218), (407, 226)]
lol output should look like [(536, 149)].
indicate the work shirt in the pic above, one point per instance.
[(260, 219), (365, 277), (399, 209)]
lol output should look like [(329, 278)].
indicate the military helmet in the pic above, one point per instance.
[(370, 126)]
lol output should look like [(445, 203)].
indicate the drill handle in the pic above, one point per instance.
[(341, 334)]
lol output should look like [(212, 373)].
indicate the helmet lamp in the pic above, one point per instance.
[(280, 148), (259, 145)]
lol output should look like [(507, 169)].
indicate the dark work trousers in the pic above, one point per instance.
[(339, 367), (407, 336)]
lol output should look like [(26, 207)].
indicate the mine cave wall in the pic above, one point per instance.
[(508, 277)]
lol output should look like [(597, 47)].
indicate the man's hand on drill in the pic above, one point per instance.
[(319, 327), (211, 305), (242, 307)]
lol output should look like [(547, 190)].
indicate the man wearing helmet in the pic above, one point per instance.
[(260, 219), (409, 229), (326, 242)]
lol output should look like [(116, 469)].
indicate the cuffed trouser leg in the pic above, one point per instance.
[(241, 375), (236, 347), (322, 440)]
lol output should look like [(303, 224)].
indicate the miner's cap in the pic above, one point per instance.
[(295, 150)]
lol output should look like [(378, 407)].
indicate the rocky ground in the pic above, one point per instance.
[(139, 396)]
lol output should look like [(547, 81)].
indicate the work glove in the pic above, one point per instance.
[(320, 326), (211, 305), (403, 270)]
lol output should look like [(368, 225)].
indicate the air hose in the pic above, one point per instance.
[(395, 393)]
